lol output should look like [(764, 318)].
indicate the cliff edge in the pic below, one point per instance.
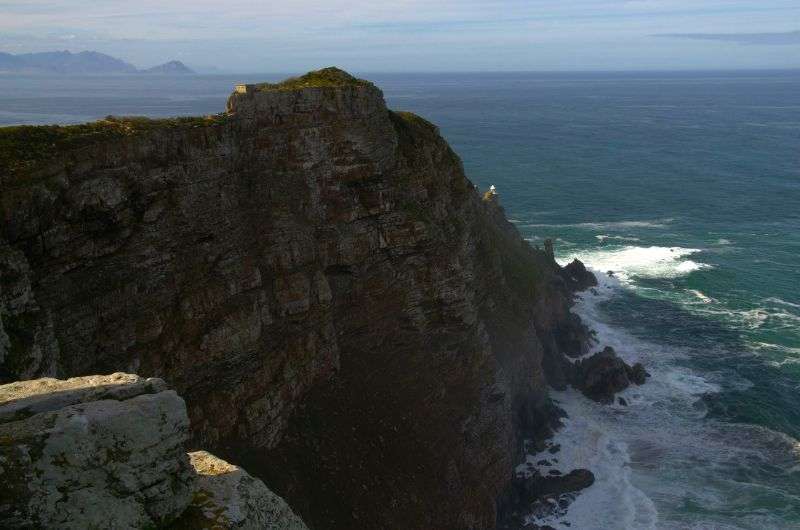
[(343, 313)]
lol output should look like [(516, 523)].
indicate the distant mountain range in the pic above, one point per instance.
[(65, 62)]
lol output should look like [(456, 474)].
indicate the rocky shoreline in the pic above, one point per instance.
[(541, 490)]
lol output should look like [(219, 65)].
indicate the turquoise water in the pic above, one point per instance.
[(687, 187)]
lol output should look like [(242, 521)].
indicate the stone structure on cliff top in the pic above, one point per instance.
[(314, 274)]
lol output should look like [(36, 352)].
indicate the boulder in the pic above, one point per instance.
[(526, 491), (577, 277), (227, 497), (575, 480), (604, 374), (93, 452)]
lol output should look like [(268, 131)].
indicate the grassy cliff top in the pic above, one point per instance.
[(331, 77), (23, 147)]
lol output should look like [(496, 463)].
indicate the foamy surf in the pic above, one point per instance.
[(653, 456), (700, 296), (629, 262), (612, 501), (586, 441), (609, 225), (604, 237)]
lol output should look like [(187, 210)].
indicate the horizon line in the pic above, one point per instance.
[(199, 71)]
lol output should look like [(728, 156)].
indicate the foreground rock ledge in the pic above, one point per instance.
[(226, 496), (108, 452)]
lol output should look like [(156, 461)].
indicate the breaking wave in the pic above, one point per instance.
[(629, 262), (609, 225)]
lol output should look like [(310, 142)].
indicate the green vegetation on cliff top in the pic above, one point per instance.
[(23, 147), (331, 77)]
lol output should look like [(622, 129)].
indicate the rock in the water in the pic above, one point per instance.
[(525, 492), (575, 480), (227, 497), (577, 277), (604, 374), (92, 452), (637, 374)]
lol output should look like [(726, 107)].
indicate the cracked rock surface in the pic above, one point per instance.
[(226, 496), (92, 452)]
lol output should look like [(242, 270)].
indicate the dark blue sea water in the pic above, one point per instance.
[(687, 187)]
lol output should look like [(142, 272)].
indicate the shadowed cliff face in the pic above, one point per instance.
[(314, 274)]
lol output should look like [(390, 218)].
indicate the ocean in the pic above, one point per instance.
[(682, 192)]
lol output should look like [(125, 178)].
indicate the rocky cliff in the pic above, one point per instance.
[(341, 310)]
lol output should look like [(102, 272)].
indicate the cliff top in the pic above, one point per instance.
[(22, 147), (330, 77)]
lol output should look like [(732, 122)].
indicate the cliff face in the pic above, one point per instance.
[(314, 274)]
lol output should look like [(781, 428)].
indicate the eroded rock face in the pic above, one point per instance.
[(312, 265), (227, 497), (92, 452)]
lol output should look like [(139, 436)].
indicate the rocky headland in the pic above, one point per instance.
[(345, 316)]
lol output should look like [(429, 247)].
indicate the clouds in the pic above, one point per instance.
[(293, 35)]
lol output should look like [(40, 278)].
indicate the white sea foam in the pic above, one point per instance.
[(604, 237), (646, 456), (591, 436), (629, 261), (780, 301), (754, 318), (609, 225), (700, 296), (648, 451), (612, 501), (792, 355), (776, 355)]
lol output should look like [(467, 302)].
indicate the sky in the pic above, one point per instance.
[(414, 35)]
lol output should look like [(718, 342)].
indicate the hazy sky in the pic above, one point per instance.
[(415, 35)]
